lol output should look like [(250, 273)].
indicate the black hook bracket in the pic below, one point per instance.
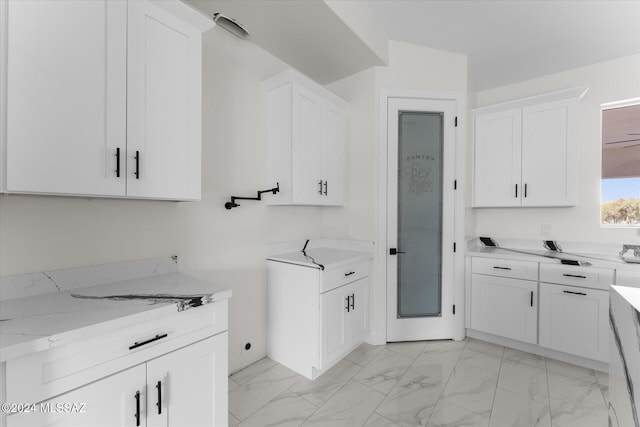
[(233, 204)]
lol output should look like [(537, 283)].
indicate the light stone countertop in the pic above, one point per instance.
[(40, 322)]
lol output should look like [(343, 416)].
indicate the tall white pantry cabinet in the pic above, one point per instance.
[(103, 98)]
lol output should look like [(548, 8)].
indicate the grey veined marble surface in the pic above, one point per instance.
[(39, 322), (624, 363)]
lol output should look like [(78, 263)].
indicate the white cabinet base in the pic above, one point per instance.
[(541, 351)]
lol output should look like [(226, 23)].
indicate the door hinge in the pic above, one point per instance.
[(454, 246), (455, 184), (454, 309), (456, 121)]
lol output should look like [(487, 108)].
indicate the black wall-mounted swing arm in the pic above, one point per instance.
[(233, 204)]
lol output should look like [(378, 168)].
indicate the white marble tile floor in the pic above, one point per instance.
[(434, 383)]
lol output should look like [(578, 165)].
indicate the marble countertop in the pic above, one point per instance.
[(545, 256), (327, 257), (40, 322), (631, 295)]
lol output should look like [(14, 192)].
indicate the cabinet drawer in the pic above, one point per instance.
[(527, 270), (599, 278), (335, 278), (45, 374)]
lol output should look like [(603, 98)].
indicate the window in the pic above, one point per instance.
[(620, 189)]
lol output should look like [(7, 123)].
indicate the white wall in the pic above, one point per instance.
[(608, 82), (38, 233)]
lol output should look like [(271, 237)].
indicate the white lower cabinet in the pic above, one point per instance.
[(343, 319), (563, 308), (575, 320), (186, 387), (169, 372), (110, 402), (505, 307), (315, 317)]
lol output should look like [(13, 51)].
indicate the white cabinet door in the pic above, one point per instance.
[(115, 401), (333, 143), (504, 307), (163, 104), (188, 387), (497, 159), (335, 313), (575, 320), (66, 97), (549, 154), (358, 316), (307, 147)]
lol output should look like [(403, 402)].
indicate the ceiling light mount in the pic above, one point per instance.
[(230, 25)]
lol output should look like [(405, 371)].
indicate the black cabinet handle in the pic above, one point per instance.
[(531, 298), (118, 162), (348, 306), (137, 157), (349, 273), (141, 343), (502, 268), (137, 396), (320, 190), (577, 276), (575, 293), (516, 191), (525, 190), (159, 404), (353, 301), (326, 186)]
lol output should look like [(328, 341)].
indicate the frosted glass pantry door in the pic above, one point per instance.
[(421, 154)]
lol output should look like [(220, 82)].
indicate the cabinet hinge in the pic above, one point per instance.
[(454, 246), (455, 184), (454, 309), (456, 121)]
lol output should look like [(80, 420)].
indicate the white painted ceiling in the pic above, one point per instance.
[(508, 41)]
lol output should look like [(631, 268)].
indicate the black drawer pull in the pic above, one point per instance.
[(320, 184), (349, 273), (326, 185), (353, 301), (502, 268), (575, 293), (159, 404), (577, 276), (137, 396), (141, 343), (531, 298), (118, 162)]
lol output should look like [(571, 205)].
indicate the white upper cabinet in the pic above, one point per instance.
[(498, 142), (163, 104), (66, 97), (306, 134), (104, 99), (525, 151), (550, 153)]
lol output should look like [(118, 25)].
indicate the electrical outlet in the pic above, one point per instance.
[(247, 347), (545, 230)]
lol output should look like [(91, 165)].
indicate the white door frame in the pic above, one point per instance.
[(378, 333)]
